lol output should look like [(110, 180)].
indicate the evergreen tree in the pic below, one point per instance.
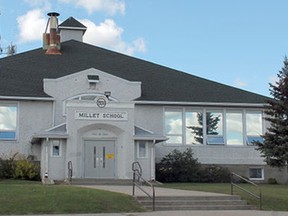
[(275, 141), (211, 126)]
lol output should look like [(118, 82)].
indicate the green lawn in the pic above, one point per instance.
[(275, 197), (22, 197)]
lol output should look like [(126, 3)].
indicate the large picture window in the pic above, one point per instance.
[(213, 127), (8, 122)]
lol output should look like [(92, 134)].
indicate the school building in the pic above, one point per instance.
[(100, 110)]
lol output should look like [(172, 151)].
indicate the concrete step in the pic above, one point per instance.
[(196, 203), (90, 181)]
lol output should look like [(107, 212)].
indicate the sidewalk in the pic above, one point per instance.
[(174, 192)]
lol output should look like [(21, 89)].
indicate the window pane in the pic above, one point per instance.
[(56, 148), (256, 173), (215, 140), (234, 128), (254, 123), (8, 122), (142, 150), (174, 139), (173, 126), (194, 128), (214, 122)]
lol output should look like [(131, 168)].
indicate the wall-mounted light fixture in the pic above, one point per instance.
[(107, 94)]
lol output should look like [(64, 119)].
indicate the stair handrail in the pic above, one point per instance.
[(234, 184), (70, 171), (138, 181)]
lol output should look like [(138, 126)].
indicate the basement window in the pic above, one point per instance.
[(256, 173)]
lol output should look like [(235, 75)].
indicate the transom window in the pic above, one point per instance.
[(213, 127), (8, 122)]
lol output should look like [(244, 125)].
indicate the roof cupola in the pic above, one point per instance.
[(71, 29)]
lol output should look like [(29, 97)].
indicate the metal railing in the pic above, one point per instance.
[(70, 171), (139, 181), (234, 184)]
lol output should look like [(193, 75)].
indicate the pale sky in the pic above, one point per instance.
[(238, 43)]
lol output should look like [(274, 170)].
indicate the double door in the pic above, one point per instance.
[(99, 159)]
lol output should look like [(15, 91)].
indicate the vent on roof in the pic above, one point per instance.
[(93, 78), (51, 40)]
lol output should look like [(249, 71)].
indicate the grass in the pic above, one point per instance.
[(24, 197), (275, 197)]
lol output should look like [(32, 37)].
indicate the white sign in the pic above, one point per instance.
[(114, 116)]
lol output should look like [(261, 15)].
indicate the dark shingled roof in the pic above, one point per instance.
[(22, 75), (71, 22)]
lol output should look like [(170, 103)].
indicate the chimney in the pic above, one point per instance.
[(51, 41)]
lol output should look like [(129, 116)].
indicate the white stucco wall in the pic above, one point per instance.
[(33, 116)]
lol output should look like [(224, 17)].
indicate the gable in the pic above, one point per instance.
[(92, 81)]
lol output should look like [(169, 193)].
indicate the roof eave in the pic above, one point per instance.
[(256, 105), (26, 98)]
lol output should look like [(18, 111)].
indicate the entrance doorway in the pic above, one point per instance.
[(99, 159)]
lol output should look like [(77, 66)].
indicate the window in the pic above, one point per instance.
[(256, 174), (217, 126), (8, 122), (214, 127), (254, 128), (173, 126), (56, 148), (142, 149), (194, 127), (234, 128)]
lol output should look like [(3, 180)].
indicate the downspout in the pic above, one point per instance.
[(46, 158), (153, 161)]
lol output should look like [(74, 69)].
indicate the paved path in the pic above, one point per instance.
[(158, 191), (174, 192)]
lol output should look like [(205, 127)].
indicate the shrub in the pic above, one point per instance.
[(18, 167), (178, 166), (24, 169), (215, 174), (6, 166), (272, 181)]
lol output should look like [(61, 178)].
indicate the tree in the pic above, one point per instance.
[(275, 141), (211, 126)]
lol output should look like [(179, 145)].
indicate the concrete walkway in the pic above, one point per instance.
[(125, 189), (174, 192)]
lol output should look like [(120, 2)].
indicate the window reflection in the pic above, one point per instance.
[(173, 126), (8, 122), (254, 127), (254, 123), (214, 123), (234, 128), (194, 127)]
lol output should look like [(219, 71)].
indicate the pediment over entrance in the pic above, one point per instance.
[(92, 81)]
